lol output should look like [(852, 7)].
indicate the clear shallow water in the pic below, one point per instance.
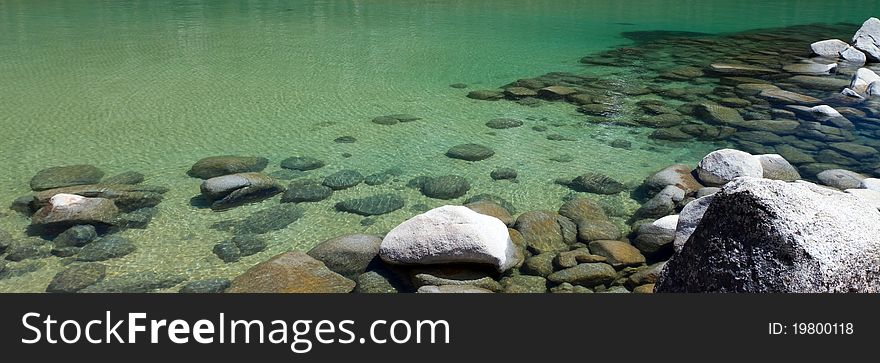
[(155, 86)]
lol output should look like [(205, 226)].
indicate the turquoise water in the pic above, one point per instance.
[(154, 86)]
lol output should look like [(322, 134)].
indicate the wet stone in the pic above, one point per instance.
[(106, 248), (458, 85), (302, 163), (504, 123), (345, 140), (494, 199), (585, 274), (139, 218), (28, 248), (343, 179), (77, 277), (228, 164), (129, 178), (304, 190), (263, 221), (558, 137), (209, 286), (372, 205), (470, 152), (377, 282), (524, 284), (377, 178), (76, 236), (445, 187), (291, 272), (485, 95), (287, 174), (597, 183), (503, 174), (64, 176), (540, 264), (621, 144), (138, 282)]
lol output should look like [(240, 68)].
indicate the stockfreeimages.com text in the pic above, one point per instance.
[(137, 327)]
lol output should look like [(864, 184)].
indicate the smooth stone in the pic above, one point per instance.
[(617, 253), (777, 168), (656, 238), (492, 198), (140, 282), (854, 150), (215, 166), (621, 144), (28, 248), (597, 183), (689, 218), (585, 274), (644, 289), (779, 127), (127, 198), (487, 283), (721, 166), (485, 95), (862, 78), (209, 286), (830, 48), (854, 56), (263, 221), (794, 155), (128, 178), (777, 237), (345, 140), (227, 251), (567, 288), (840, 179), (555, 92), (662, 203), (503, 123), (76, 236), (291, 272), (819, 83), (77, 277), (492, 209), (302, 163), (304, 191), (449, 234), (788, 97), (348, 255), (65, 176), (645, 275), (870, 183), (72, 209), (679, 175), (592, 223), (540, 264), (717, 114), (519, 92), (470, 152), (343, 179), (139, 218), (445, 187), (228, 191), (503, 174), (728, 69), (106, 248), (543, 231), (813, 69), (372, 205), (377, 282)]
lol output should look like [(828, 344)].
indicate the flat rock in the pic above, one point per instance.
[(228, 191), (585, 274), (106, 248), (813, 69), (503, 123), (592, 182), (348, 255), (728, 69), (679, 175), (77, 277), (305, 191), (72, 209), (343, 179), (777, 168), (828, 48), (65, 176), (788, 97), (840, 179), (445, 187), (617, 253), (470, 152), (302, 163), (291, 272), (372, 205)]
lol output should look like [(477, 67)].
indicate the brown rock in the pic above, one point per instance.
[(618, 253), (492, 209), (291, 272)]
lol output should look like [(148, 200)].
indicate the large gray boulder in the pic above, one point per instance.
[(867, 39), (829, 48), (762, 235), (721, 166), (450, 234)]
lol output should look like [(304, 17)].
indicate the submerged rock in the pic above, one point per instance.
[(727, 69), (763, 235), (106, 248), (504, 123), (65, 176), (128, 178), (27, 248), (777, 168), (348, 255), (617, 253), (140, 282), (77, 277), (373, 205), (485, 95), (679, 175), (301, 191), (545, 231), (503, 174), (343, 179), (493, 209), (470, 152), (209, 286), (233, 190), (76, 236), (215, 166), (585, 274), (127, 198), (840, 179), (721, 166), (264, 221), (239, 246), (291, 272), (450, 234), (445, 187), (302, 163), (597, 183)]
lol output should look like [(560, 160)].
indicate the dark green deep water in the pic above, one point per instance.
[(153, 86)]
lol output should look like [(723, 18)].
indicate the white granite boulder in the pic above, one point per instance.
[(867, 39), (450, 234), (829, 48), (721, 166)]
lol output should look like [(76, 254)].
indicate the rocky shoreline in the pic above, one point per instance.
[(789, 208)]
